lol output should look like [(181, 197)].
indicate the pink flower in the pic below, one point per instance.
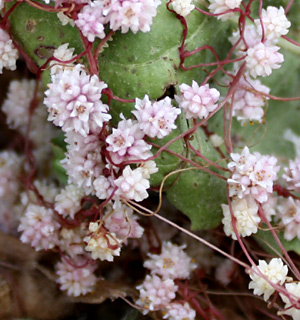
[(252, 174), (91, 21), (247, 102), (126, 142), (121, 221), (289, 211), (179, 311), (197, 102), (39, 228), (172, 263), (156, 293), (83, 161), (76, 277), (73, 101), (157, 119)]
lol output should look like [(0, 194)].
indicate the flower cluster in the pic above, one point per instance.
[(224, 9), (8, 53), (248, 100), (252, 174), (76, 277), (183, 8), (245, 211), (275, 272), (103, 245), (73, 101), (159, 289), (156, 120), (134, 15), (120, 220), (197, 101)]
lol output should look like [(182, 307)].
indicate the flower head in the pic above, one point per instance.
[(275, 271), (172, 263), (8, 52), (103, 245), (197, 101), (262, 59), (156, 293), (179, 311), (221, 6), (275, 23), (132, 184), (245, 212), (73, 101), (76, 277), (156, 119)]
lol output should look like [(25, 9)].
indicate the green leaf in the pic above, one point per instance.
[(167, 162), (59, 149), (39, 32), (198, 194), (266, 240), (148, 63)]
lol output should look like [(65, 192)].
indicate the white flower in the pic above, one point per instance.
[(8, 52), (155, 293), (172, 263), (62, 53), (76, 277), (220, 6), (216, 140), (262, 59), (197, 101), (156, 119), (102, 245), (225, 271), (246, 213), (64, 19), (183, 7), (179, 311), (148, 168), (132, 184), (293, 289), (274, 22), (67, 202), (275, 271), (16, 105)]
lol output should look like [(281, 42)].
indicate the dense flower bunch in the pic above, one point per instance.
[(158, 290)]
